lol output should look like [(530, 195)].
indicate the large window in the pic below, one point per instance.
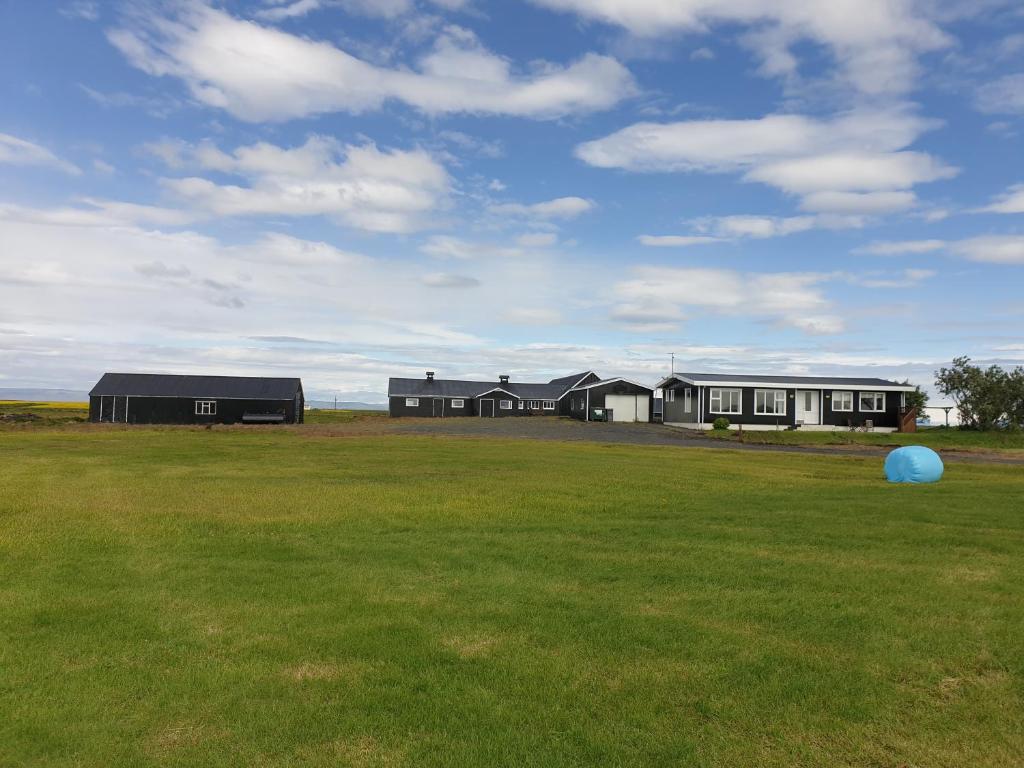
[(725, 401), (412, 402), (687, 400), (534, 405), (206, 407), (842, 401), (506, 405), (549, 405), (872, 402), (670, 395), (770, 402), (458, 403)]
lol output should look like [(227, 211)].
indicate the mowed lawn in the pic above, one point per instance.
[(278, 597)]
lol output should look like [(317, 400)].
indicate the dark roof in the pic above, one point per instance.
[(170, 385), (469, 389), (438, 387), (798, 381), (572, 381)]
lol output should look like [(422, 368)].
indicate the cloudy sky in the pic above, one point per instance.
[(350, 189)]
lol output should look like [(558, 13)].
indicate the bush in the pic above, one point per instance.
[(720, 423)]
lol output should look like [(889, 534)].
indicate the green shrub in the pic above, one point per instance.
[(720, 423)]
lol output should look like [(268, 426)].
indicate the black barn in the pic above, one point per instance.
[(149, 398)]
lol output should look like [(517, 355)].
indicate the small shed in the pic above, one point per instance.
[(154, 398)]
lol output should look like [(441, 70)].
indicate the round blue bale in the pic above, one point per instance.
[(913, 464)]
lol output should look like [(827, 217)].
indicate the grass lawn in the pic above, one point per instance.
[(934, 437), (176, 597)]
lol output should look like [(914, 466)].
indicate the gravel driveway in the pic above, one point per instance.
[(539, 428)]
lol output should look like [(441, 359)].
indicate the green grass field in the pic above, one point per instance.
[(187, 597)]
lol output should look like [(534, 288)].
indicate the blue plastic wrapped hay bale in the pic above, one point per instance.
[(913, 464)]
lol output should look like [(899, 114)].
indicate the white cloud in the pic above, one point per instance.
[(660, 293), (859, 203), (840, 166), (278, 10), (449, 280), (15, 151), (1010, 201), (362, 186), (1004, 96), (260, 73), (901, 247), (676, 241), (559, 208), (537, 240), (993, 249), (722, 229), (533, 316), (702, 54), (875, 43), (93, 212)]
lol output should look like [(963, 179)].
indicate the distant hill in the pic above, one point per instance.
[(44, 395), (347, 405)]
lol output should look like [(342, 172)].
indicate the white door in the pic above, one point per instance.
[(807, 406), (628, 407)]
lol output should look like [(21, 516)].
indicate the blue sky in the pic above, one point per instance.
[(348, 189)]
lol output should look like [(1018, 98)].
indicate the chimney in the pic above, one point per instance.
[(430, 375), (503, 378)]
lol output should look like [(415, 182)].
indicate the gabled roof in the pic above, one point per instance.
[(602, 382), (171, 385), (574, 380), (783, 381), (438, 387), (553, 390)]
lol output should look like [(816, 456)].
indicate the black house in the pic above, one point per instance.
[(776, 401), (443, 398), (147, 398)]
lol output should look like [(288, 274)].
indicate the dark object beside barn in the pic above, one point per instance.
[(148, 398)]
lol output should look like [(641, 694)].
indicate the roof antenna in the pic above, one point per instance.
[(673, 371)]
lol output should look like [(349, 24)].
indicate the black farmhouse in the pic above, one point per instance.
[(582, 396), (433, 397), (695, 400), (146, 398)]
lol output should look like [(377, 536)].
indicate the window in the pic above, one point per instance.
[(534, 405), (687, 400), (770, 402), (872, 402), (903, 400), (206, 407), (725, 401), (670, 395), (412, 402), (842, 401), (458, 403), (506, 405), (549, 405), (521, 405)]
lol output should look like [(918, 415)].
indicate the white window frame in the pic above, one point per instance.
[(776, 395), (549, 405), (670, 395), (458, 403), (412, 402), (206, 407), (876, 396), (687, 400), (534, 405), (716, 394), (506, 405), (522, 405), (841, 394)]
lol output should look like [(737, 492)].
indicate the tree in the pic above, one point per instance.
[(916, 399), (986, 398)]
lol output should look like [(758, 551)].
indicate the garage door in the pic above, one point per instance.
[(628, 407)]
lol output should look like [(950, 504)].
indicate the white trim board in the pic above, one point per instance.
[(609, 381)]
